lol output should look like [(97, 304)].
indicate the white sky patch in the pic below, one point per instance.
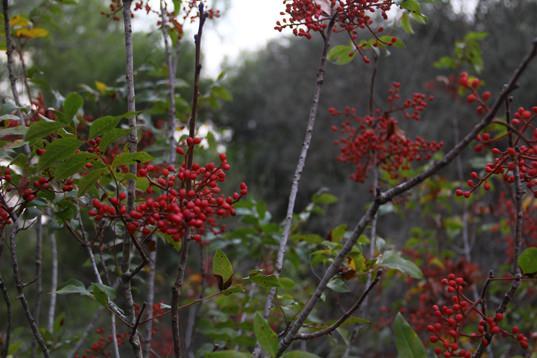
[(246, 26)]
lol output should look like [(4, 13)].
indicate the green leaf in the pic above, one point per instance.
[(41, 129), (73, 164), (59, 150), (411, 5), (338, 232), (102, 125), (227, 354), (341, 54), (73, 102), (266, 281), (299, 354), (87, 182), (74, 287), (222, 93), (528, 260), (394, 260), (407, 341), (102, 293), (268, 340), (222, 266), (406, 24), (131, 158), (324, 199), (111, 136)]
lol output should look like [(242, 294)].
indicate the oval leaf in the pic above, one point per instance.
[(407, 341), (268, 340), (222, 266), (394, 260), (528, 260), (59, 150)]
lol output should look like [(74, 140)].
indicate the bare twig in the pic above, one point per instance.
[(287, 224), (5, 348), (20, 290), (507, 298), (132, 139), (177, 325), (53, 279), (518, 191), (388, 195), (9, 52), (345, 316)]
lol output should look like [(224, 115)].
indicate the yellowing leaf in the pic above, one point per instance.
[(33, 33), (19, 21), (101, 86)]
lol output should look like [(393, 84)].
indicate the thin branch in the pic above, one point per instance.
[(287, 224), (20, 290), (518, 191), (10, 47), (132, 140), (53, 279), (9, 314), (85, 333), (507, 298), (177, 329), (345, 316), (388, 195)]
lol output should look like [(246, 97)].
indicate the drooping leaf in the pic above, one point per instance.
[(338, 232), (59, 150), (73, 102), (102, 293), (268, 340), (111, 136), (73, 164), (131, 158), (102, 125), (528, 260), (394, 260), (407, 341), (222, 268), (41, 129), (74, 287), (341, 54), (88, 181)]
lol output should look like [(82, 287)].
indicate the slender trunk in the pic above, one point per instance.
[(177, 324), (53, 280), (20, 290), (38, 262), (5, 348), (287, 224), (126, 286)]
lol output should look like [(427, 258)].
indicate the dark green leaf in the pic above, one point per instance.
[(73, 164), (131, 158), (299, 354), (41, 129), (268, 340), (528, 260), (102, 293), (227, 354), (407, 341), (87, 182), (73, 102), (59, 150), (111, 136), (102, 125), (394, 260)]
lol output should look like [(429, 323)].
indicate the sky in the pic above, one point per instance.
[(248, 25)]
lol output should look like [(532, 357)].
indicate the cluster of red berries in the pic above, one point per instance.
[(512, 150), (102, 346), (453, 321), (377, 141), (307, 16), (176, 199)]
